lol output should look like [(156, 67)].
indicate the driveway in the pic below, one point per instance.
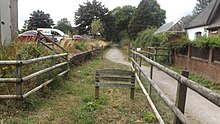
[(198, 109)]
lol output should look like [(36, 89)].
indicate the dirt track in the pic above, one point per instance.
[(198, 109)]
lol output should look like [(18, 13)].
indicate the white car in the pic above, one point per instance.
[(56, 33)]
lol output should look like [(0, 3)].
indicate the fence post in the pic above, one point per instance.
[(129, 52), (96, 85), (151, 76), (181, 97), (102, 52), (155, 54), (18, 74), (133, 56), (139, 72), (132, 85)]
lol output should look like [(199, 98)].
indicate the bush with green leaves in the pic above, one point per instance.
[(80, 46), (147, 38)]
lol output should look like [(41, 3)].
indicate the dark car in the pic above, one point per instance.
[(77, 38), (28, 35)]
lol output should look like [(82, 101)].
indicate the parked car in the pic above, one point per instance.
[(28, 35), (77, 38), (56, 33)]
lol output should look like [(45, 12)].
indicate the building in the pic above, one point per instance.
[(8, 20), (206, 22)]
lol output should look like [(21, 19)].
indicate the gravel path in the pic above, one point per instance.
[(198, 109)]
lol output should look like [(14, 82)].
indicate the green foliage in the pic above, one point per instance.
[(147, 14), (91, 106), (110, 31), (147, 38), (149, 118), (31, 51), (38, 19), (87, 13), (96, 27), (122, 16), (200, 5), (80, 46), (64, 25), (200, 42)]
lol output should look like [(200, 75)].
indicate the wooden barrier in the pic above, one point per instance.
[(114, 75), (20, 80), (183, 84)]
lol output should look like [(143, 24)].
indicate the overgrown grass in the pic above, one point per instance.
[(200, 80), (73, 101)]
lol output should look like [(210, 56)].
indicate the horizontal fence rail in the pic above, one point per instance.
[(177, 109)]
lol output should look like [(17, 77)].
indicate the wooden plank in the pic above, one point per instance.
[(44, 71), (9, 80), (5, 97), (44, 84), (114, 72), (157, 114), (122, 79), (100, 84), (30, 61)]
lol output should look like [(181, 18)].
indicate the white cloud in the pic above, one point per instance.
[(59, 9)]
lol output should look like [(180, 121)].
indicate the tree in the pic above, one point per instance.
[(110, 32), (147, 14), (64, 25), (87, 13), (38, 19), (96, 27), (122, 17), (200, 5)]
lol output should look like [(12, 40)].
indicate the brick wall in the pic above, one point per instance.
[(209, 68)]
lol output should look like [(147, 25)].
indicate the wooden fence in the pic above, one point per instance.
[(155, 52), (183, 83), (19, 64), (19, 80)]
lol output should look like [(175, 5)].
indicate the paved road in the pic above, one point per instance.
[(198, 109)]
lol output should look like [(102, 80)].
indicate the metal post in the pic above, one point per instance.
[(181, 97)]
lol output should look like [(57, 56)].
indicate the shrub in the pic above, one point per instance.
[(80, 46)]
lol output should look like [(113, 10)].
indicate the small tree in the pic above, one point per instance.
[(64, 25), (96, 27), (38, 19)]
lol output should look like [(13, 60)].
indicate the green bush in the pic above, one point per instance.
[(80, 46), (147, 38)]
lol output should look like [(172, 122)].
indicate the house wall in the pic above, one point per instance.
[(192, 32), (8, 20), (209, 68)]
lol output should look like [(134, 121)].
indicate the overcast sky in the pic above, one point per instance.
[(59, 9)]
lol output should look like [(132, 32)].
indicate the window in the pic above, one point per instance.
[(198, 34), (214, 31)]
